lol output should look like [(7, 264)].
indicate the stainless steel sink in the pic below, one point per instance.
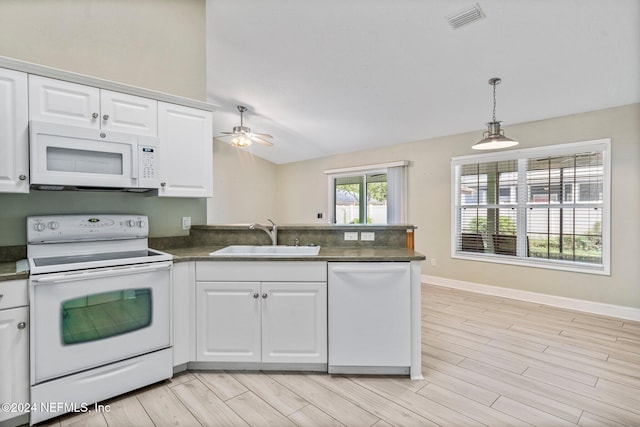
[(267, 251)]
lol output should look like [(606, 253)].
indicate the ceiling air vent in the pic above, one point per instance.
[(465, 17)]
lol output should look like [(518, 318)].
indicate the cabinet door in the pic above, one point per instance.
[(228, 321), (128, 113), (14, 148), (294, 322), (14, 358), (186, 151), (52, 100)]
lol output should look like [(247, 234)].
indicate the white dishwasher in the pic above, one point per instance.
[(369, 317)]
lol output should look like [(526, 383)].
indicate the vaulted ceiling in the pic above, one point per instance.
[(334, 76)]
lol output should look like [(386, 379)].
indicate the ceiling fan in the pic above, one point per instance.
[(241, 136)]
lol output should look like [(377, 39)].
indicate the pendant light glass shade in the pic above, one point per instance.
[(240, 137), (493, 138)]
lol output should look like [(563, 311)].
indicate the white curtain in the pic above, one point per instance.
[(397, 195)]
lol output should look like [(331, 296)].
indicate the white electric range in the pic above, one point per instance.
[(100, 310)]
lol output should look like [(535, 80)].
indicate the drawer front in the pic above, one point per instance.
[(13, 293), (262, 271)]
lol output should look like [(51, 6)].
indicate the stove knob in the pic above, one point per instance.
[(38, 226), (53, 225), (131, 223), (140, 223)]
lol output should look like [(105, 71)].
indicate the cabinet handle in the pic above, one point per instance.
[(105, 117), (95, 115), (22, 325), (264, 295), (1, 295), (22, 177), (256, 295)]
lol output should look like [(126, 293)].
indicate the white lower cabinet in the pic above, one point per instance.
[(14, 348), (241, 318), (183, 289), (294, 322), (228, 322)]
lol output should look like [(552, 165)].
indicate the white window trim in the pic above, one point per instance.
[(551, 150), (366, 168), (332, 174)]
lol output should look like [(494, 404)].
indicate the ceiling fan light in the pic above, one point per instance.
[(241, 136), (241, 141)]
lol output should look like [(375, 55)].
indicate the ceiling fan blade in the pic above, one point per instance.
[(227, 133), (261, 141), (262, 135)]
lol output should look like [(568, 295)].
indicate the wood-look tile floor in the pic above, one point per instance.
[(486, 360)]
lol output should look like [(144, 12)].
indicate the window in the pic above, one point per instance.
[(545, 207), (99, 316), (374, 194)]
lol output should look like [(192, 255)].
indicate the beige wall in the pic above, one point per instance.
[(155, 44), (303, 192), (244, 187)]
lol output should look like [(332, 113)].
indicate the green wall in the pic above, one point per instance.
[(165, 214)]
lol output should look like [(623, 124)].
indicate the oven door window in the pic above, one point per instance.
[(103, 315)]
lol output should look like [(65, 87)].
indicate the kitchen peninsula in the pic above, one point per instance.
[(261, 312)]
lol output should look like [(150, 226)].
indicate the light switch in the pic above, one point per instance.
[(367, 236), (186, 222)]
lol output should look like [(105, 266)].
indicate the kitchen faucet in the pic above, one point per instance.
[(273, 233)]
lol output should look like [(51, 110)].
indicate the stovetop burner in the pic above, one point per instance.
[(77, 259)]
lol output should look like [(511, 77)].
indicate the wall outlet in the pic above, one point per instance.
[(186, 222), (351, 235), (433, 262), (367, 236), (319, 215)]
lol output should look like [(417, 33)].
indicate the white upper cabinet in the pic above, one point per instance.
[(75, 104), (62, 102), (128, 113), (186, 151), (14, 148)]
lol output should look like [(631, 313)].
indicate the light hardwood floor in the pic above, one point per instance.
[(486, 361)]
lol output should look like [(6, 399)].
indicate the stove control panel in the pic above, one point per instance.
[(69, 228)]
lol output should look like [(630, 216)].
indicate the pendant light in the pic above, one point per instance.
[(493, 138)]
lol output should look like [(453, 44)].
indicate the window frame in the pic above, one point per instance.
[(363, 171), (522, 156)]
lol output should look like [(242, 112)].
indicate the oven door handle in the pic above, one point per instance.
[(111, 272)]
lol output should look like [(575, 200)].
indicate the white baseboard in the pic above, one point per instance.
[(619, 311)]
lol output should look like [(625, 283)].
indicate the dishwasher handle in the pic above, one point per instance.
[(366, 270), (110, 272)]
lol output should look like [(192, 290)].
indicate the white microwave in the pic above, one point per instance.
[(66, 157)]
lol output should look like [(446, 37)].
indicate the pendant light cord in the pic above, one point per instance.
[(494, 102)]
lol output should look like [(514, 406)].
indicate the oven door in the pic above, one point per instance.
[(73, 156), (89, 318)]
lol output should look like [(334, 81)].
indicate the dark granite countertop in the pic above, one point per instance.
[(8, 271), (326, 254), (340, 227)]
